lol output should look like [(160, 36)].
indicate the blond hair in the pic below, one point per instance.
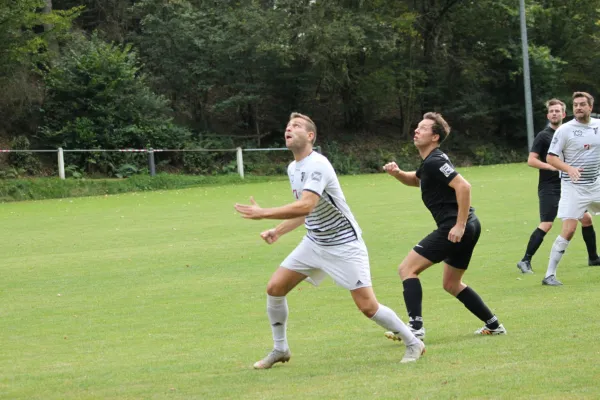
[(309, 124), (556, 102)]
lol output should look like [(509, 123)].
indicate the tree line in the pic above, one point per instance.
[(202, 73)]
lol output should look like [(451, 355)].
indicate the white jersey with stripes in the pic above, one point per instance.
[(331, 222), (578, 145)]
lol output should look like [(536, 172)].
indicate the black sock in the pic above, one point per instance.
[(589, 236), (535, 241), (473, 302), (413, 298)]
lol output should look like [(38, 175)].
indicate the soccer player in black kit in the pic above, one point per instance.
[(447, 195), (549, 193)]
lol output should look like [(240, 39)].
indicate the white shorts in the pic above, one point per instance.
[(347, 264), (575, 200)]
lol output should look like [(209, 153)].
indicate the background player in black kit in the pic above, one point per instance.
[(549, 191), (447, 195)]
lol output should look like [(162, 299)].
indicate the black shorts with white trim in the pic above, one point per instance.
[(436, 247), (548, 200)]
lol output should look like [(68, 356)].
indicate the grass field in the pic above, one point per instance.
[(161, 296)]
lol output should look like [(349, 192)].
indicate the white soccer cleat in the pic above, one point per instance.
[(413, 352), (272, 358), (500, 330), (419, 333)]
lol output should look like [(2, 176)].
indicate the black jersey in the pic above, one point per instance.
[(548, 179), (435, 173)]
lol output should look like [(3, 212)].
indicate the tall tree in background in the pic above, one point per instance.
[(97, 97), (239, 67), (30, 32)]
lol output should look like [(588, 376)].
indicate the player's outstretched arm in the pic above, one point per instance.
[(462, 188), (534, 161), (408, 178), (299, 208), (573, 172), (271, 235)]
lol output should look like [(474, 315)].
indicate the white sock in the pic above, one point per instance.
[(277, 310), (558, 249), (387, 318)]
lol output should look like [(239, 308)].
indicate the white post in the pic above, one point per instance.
[(240, 162), (61, 163)]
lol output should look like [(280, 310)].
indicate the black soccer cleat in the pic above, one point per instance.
[(595, 262)]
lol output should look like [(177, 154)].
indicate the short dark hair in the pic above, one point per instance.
[(556, 102), (440, 126), (589, 97)]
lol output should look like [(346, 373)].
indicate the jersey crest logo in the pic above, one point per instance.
[(302, 176), (578, 133), (316, 176), (586, 146), (446, 170)]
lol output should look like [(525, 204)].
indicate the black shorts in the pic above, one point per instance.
[(436, 247), (549, 199)]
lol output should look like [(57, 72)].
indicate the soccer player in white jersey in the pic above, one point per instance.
[(332, 246), (575, 151), (549, 191)]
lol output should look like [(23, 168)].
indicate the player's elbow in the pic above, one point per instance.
[(304, 208), (551, 159), (464, 188)]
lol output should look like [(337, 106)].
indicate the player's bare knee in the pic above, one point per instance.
[(546, 226), (568, 228), (276, 289), (568, 233), (405, 271), (452, 287), (369, 309), (586, 220)]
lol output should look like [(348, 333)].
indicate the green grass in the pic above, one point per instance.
[(160, 295)]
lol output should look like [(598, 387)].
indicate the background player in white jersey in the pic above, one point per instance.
[(549, 191), (447, 195), (575, 151), (332, 246)]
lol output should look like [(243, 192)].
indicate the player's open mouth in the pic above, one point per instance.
[(288, 137)]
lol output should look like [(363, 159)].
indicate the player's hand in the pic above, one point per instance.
[(574, 173), (251, 211), (270, 236), (392, 168), (456, 233)]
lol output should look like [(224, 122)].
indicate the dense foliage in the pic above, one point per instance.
[(172, 73)]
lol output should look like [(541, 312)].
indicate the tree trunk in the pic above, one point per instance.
[(52, 42)]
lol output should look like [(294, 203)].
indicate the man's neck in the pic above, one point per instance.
[(425, 151), (583, 121), (303, 153), (554, 126)]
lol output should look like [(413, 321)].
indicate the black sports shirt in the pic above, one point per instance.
[(548, 179), (435, 172)]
